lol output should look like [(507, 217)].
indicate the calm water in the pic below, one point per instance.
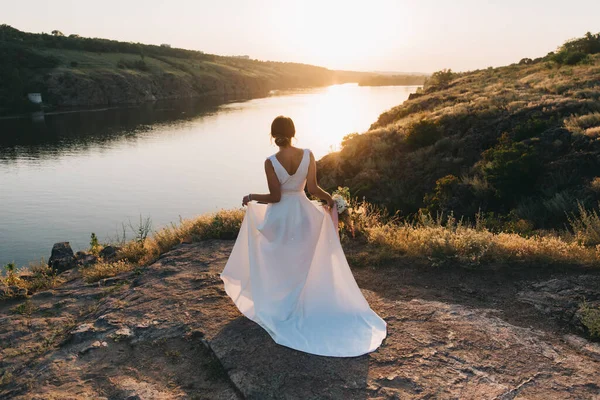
[(64, 176)]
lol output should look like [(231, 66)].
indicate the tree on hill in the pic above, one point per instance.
[(57, 33), (577, 51), (439, 80), (589, 44)]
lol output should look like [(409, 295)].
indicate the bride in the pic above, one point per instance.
[(287, 271)]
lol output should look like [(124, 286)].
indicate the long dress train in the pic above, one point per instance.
[(288, 273)]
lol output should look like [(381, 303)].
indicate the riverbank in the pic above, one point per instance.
[(370, 237)]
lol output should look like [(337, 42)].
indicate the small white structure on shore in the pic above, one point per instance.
[(35, 98)]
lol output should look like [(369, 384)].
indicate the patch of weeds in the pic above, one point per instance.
[(49, 313), (6, 377), (590, 318), (42, 277), (95, 246), (26, 309), (49, 341), (90, 309), (117, 303), (173, 355), (15, 352), (119, 286), (12, 276), (104, 269)]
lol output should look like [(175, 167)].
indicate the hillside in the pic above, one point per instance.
[(518, 143), (75, 71)]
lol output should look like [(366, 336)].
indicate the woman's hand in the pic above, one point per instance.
[(245, 200), (330, 203)]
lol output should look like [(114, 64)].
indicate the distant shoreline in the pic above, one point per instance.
[(83, 72)]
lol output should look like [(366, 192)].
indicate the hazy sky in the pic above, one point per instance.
[(393, 35)]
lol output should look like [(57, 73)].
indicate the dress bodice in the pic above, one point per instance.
[(295, 182)]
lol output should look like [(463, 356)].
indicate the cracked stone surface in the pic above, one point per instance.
[(452, 334)]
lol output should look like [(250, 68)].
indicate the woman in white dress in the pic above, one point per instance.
[(287, 271)]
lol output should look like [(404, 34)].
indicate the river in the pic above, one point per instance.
[(65, 175)]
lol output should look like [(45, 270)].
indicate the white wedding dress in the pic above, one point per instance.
[(288, 273)]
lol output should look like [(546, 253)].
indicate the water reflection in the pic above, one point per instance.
[(44, 135), (63, 176)]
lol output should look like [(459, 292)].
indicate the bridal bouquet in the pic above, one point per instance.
[(341, 197), (340, 203)]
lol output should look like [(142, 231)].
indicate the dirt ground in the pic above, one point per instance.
[(170, 332)]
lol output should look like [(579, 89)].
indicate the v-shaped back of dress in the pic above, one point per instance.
[(296, 181)]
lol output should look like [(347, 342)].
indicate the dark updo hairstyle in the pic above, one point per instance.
[(283, 130)]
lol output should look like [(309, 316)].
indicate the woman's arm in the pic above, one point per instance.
[(274, 188), (313, 186)]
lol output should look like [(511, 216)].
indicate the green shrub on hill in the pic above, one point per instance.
[(439, 80), (577, 51), (512, 169), (422, 134)]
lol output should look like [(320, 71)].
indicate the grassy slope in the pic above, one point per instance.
[(544, 164), (185, 77)]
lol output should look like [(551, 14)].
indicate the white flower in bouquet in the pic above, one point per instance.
[(340, 202)]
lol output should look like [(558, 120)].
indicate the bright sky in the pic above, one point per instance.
[(384, 35)]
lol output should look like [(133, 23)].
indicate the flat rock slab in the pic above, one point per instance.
[(150, 338)]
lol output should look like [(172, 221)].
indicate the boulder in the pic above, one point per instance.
[(109, 253), (561, 299), (414, 96), (84, 259), (83, 332), (62, 257)]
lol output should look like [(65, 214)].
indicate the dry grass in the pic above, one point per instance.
[(104, 269), (586, 226), (438, 240), (444, 240), (471, 246), (223, 224), (588, 123), (595, 184), (35, 278), (593, 132), (42, 277)]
